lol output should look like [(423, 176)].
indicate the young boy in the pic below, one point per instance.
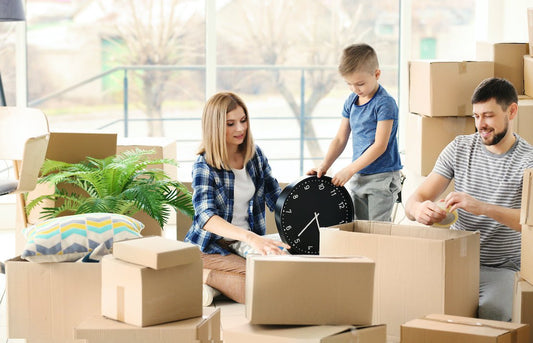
[(371, 115)]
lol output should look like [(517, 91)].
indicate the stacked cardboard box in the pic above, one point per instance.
[(523, 287), (440, 328), (329, 295), (440, 108), (419, 270), (203, 329), (152, 280)]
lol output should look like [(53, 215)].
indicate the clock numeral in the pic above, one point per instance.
[(310, 247), (306, 187), (297, 240), (288, 228), (295, 196), (321, 186), (333, 192), (342, 205)]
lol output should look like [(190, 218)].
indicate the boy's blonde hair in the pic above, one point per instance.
[(357, 58), (213, 144)]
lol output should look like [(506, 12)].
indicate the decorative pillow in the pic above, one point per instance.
[(70, 238)]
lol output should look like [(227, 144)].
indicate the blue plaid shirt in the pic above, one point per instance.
[(213, 195)]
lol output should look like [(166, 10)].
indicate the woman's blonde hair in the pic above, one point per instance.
[(213, 144)]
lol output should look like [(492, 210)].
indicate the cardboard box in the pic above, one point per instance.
[(46, 301), (523, 122), (523, 303), (439, 328), (163, 148), (202, 329), (156, 252), (305, 334), (444, 89), (299, 290), (508, 60), (428, 136), (143, 296), (419, 269), (526, 212)]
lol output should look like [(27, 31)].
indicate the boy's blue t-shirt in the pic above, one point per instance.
[(363, 123)]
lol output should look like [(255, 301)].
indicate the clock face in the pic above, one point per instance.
[(307, 204)]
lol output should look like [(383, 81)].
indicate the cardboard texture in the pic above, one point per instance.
[(156, 252), (202, 329), (143, 296), (523, 122), (523, 303), (508, 60), (439, 328), (298, 290), (528, 75), (443, 89), (305, 334), (419, 269), (526, 212), (428, 136), (46, 301), (162, 147)]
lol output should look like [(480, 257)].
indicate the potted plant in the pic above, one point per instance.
[(117, 184)]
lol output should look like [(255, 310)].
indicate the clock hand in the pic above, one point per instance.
[(314, 218)]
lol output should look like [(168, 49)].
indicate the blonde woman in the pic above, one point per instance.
[(232, 183)]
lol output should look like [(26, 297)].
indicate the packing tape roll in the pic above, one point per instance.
[(450, 218)]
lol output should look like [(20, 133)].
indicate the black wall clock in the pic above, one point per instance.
[(307, 204)]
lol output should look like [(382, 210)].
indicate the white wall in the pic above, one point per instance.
[(502, 20)]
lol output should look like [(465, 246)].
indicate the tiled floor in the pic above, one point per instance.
[(232, 313)]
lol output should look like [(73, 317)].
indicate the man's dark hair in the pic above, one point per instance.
[(498, 89)]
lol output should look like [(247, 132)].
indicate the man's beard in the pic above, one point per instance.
[(498, 136)]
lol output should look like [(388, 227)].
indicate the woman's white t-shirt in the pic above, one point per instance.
[(243, 192)]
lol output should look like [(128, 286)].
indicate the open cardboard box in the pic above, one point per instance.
[(419, 270)]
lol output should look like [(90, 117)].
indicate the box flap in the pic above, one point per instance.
[(526, 214), (156, 252)]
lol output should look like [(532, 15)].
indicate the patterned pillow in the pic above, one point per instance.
[(70, 238)]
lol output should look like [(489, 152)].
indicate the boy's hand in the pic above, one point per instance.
[(342, 177), (319, 171)]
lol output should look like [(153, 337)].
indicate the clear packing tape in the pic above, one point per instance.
[(450, 219)]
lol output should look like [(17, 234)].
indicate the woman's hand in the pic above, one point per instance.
[(267, 246)]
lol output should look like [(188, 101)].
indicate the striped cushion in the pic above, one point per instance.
[(70, 238)]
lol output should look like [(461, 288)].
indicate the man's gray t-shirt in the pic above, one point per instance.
[(491, 178)]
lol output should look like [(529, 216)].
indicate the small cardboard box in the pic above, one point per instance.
[(419, 269), (427, 136), (156, 252), (440, 328), (299, 290), (508, 60), (523, 302), (530, 29), (202, 329), (305, 334), (46, 301), (444, 89), (142, 296)]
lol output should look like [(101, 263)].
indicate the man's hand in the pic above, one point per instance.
[(429, 213), (456, 200)]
